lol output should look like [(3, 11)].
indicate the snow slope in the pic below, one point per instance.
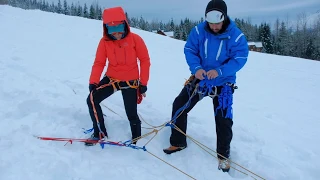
[(45, 63)]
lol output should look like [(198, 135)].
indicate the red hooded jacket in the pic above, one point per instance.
[(121, 54)]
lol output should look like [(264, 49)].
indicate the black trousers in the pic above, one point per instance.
[(223, 125), (130, 103)]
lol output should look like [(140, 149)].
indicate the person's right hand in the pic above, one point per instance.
[(200, 74)]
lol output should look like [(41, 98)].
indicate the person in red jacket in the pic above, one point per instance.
[(121, 48)]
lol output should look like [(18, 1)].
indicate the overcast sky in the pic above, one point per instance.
[(258, 10)]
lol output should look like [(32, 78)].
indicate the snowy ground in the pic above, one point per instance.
[(45, 63)]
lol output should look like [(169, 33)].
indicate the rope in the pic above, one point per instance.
[(170, 165), (170, 123), (202, 145)]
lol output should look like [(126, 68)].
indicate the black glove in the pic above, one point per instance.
[(142, 89), (92, 87)]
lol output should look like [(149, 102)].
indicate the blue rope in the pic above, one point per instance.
[(129, 144), (100, 131), (174, 118), (205, 86), (87, 131), (225, 101)]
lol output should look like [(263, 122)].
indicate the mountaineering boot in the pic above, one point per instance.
[(173, 149), (224, 165), (135, 131), (93, 140)]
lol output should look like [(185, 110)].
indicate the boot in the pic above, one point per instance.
[(93, 140), (135, 131), (224, 165), (173, 149)]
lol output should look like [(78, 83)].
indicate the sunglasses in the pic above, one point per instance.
[(115, 29)]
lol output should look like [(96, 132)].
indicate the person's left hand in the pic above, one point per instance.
[(212, 74), (143, 90)]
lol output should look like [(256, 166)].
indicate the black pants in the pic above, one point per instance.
[(223, 125), (130, 103)]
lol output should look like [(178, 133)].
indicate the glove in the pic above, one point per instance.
[(92, 87), (142, 89), (141, 93)]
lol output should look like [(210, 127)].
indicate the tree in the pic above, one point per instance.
[(177, 33), (99, 12), (276, 37), (265, 35), (73, 10), (142, 24), (66, 10), (171, 25), (85, 11), (79, 11), (310, 50), (283, 40), (3, 2), (92, 14), (59, 8)]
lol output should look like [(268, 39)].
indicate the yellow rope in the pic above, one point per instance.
[(170, 165), (202, 145), (179, 130)]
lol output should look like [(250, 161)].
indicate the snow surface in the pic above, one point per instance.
[(45, 63)]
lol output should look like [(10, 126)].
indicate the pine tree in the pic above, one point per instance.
[(13, 3), (3, 2), (172, 25), (85, 11), (98, 12), (79, 11), (177, 33), (92, 14), (142, 24), (66, 10), (52, 7), (59, 8), (266, 38), (310, 50), (73, 10), (283, 41), (184, 36)]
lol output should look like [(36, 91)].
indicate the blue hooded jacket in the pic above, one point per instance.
[(227, 53)]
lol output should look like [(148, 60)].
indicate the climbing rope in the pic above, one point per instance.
[(156, 129)]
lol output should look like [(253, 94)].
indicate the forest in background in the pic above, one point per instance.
[(282, 37)]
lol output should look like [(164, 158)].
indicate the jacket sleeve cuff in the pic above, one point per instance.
[(196, 69), (219, 71)]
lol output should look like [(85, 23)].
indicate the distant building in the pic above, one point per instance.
[(255, 46), (161, 32)]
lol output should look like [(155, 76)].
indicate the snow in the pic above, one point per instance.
[(45, 63), (170, 33), (313, 19)]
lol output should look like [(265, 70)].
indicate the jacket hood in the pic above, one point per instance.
[(113, 15)]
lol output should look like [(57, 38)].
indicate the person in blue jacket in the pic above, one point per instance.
[(215, 51)]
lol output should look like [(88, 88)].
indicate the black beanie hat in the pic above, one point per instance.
[(218, 5)]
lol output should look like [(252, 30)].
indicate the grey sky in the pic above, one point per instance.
[(258, 10)]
